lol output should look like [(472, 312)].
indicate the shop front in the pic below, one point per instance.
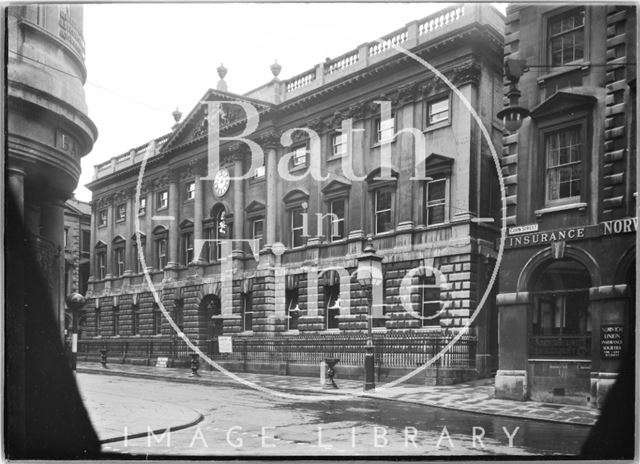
[(566, 312)]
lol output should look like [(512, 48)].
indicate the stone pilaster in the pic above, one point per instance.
[(272, 199), (511, 378), (238, 201), (198, 208), (174, 234)]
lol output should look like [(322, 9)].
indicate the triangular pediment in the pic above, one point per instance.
[(562, 102), (255, 206), (436, 164), (194, 126), (335, 186)]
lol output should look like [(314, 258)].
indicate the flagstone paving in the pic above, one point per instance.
[(476, 396)]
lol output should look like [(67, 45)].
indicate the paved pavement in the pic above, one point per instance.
[(108, 410), (477, 397), (243, 422)]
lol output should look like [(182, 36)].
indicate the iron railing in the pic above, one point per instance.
[(391, 350)]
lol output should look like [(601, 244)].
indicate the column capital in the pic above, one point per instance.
[(270, 140), (173, 176)]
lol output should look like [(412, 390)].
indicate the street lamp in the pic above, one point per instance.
[(75, 302), (369, 275), (513, 115)]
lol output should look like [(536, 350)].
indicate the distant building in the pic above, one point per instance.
[(567, 280), (444, 224), (77, 245)]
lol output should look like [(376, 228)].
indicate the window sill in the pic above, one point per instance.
[(331, 331), (386, 233), (384, 142), (102, 226), (142, 213), (379, 329), (582, 207), (257, 180), (336, 157), (120, 220), (292, 332), (299, 168), (246, 332), (437, 125), (189, 200), (560, 70), (440, 225), (164, 208)]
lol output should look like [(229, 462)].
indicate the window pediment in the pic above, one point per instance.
[(160, 230), (336, 186), (118, 239), (186, 224), (100, 244), (562, 103), (377, 172), (438, 164), (254, 207), (295, 196)]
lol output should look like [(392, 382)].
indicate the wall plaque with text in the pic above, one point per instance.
[(611, 341)]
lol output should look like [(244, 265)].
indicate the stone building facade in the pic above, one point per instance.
[(437, 213), (567, 282), (48, 127), (48, 131)]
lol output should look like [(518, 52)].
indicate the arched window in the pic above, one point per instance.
[(119, 263), (101, 260), (561, 323), (137, 264), (160, 235), (218, 228)]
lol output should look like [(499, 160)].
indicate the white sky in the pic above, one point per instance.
[(143, 60)]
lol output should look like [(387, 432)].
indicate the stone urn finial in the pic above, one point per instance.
[(222, 72), (275, 69), (177, 115)]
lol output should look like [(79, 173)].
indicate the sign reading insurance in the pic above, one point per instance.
[(613, 227)]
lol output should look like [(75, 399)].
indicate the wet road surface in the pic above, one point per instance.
[(239, 422)]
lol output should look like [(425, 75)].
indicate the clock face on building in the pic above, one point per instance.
[(221, 182)]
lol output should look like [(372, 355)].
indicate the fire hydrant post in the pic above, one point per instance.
[(103, 357), (195, 364), (330, 362)]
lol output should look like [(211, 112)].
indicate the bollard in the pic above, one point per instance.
[(195, 364), (103, 357)]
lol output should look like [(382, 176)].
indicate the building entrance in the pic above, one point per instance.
[(210, 307)]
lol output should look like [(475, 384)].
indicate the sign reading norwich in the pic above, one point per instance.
[(611, 341)]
